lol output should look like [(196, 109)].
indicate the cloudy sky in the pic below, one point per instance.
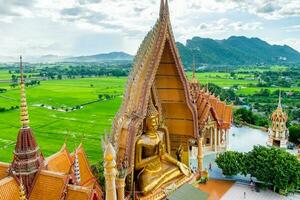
[(84, 27)]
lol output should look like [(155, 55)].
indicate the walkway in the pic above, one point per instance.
[(216, 188), (237, 192)]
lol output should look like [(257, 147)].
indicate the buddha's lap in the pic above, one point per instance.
[(149, 179)]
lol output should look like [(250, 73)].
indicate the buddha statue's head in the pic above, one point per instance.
[(152, 119)]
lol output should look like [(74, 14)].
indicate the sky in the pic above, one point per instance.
[(86, 27)]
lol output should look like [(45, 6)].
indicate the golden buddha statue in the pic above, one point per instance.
[(153, 164)]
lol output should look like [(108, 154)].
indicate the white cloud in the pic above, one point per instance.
[(216, 28), (131, 19), (292, 42)]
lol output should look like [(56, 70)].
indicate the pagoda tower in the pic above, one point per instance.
[(278, 132), (27, 159)]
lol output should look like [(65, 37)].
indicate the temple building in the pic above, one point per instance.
[(214, 117), (31, 176), (163, 117), (278, 132)]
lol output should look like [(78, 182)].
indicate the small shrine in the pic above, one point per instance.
[(278, 132)]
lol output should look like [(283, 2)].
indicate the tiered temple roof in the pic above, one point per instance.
[(207, 104), (55, 180), (279, 115), (52, 178)]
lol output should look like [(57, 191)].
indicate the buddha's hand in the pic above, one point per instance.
[(161, 148), (184, 169)]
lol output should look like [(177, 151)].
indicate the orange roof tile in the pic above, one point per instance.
[(9, 189), (49, 186), (86, 174), (209, 103), (78, 193), (60, 162), (3, 170)]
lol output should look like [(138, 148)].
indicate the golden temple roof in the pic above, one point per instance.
[(158, 75)]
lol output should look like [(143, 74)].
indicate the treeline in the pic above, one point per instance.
[(81, 71), (227, 95), (27, 84), (242, 115), (273, 167), (2, 109)]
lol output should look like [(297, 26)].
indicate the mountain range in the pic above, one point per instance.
[(236, 50), (103, 57)]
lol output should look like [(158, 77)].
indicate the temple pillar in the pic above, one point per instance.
[(211, 138), (110, 172), (215, 139), (200, 154), (226, 139), (219, 138), (120, 183)]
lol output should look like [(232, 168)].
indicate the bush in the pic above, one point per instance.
[(231, 162), (294, 134)]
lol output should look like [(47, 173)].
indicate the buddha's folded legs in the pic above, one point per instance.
[(150, 181)]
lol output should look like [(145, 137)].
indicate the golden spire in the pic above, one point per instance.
[(279, 100), (22, 190), (23, 108), (167, 7), (162, 7)]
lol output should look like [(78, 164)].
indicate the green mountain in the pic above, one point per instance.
[(236, 50), (112, 56)]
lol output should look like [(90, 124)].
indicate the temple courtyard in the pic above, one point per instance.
[(227, 188)]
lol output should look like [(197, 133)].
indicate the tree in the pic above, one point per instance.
[(274, 166), (231, 162), (294, 134)]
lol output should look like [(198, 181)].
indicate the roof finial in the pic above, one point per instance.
[(77, 167), (23, 109), (162, 7), (167, 7), (279, 100)]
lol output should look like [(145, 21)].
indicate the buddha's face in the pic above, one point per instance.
[(152, 123)]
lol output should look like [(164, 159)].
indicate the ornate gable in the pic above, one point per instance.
[(157, 74)]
